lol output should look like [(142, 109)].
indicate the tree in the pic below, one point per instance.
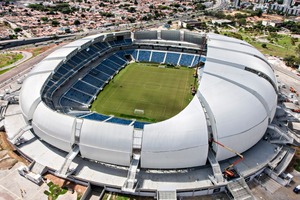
[(131, 10), (242, 21), (291, 60), (189, 27), (294, 40), (297, 50), (200, 6), (55, 23), (131, 19), (17, 30), (264, 45), (44, 19), (169, 22), (76, 22)]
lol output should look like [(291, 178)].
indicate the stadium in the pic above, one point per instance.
[(214, 142)]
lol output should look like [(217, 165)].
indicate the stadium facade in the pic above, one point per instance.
[(234, 105)]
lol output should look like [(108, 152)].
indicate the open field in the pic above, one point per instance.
[(9, 58), (278, 45), (160, 92), (38, 50)]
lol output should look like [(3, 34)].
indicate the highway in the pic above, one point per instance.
[(24, 67)]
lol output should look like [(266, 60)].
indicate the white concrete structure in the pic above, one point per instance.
[(234, 104), (240, 103)]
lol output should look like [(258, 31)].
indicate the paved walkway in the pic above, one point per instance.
[(26, 55)]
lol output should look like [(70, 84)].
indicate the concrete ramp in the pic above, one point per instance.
[(166, 194), (240, 190), (130, 183), (64, 170), (217, 177)]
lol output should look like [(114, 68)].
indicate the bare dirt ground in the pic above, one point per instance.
[(38, 50), (80, 189), (8, 157), (283, 193)]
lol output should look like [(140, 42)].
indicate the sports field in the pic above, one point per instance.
[(160, 92)]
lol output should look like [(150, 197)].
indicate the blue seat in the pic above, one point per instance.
[(186, 60), (99, 75), (62, 70), (203, 59), (128, 41), (139, 125), (93, 81), (56, 77), (172, 58), (68, 102), (134, 54), (101, 46), (67, 66), (117, 60), (158, 57), (83, 54), (103, 68), (111, 64), (144, 56), (78, 96), (96, 116), (76, 59), (120, 121), (116, 43), (82, 86)]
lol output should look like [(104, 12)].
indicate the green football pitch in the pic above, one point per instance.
[(159, 92)]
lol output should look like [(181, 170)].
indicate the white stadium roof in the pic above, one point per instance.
[(240, 105)]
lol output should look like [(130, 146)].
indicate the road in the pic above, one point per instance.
[(24, 68), (276, 63), (26, 55)]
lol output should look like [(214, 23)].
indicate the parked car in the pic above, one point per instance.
[(297, 189)]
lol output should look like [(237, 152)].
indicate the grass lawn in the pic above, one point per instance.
[(281, 46), (160, 92), (9, 58), (272, 49), (5, 70)]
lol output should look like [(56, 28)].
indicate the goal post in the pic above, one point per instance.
[(138, 111)]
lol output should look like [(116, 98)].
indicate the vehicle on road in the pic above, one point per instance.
[(297, 189)]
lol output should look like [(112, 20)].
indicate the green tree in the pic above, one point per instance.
[(44, 19), (189, 27), (76, 22), (297, 50), (55, 23), (17, 30), (131, 10), (242, 21), (131, 19), (264, 45), (54, 191), (291, 60)]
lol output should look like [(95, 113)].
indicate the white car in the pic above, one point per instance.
[(297, 189)]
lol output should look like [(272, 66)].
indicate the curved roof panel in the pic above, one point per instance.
[(30, 95), (45, 66), (61, 53), (106, 142), (256, 85), (233, 58), (235, 109), (171, 143), (231, 43), (53, 127)]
